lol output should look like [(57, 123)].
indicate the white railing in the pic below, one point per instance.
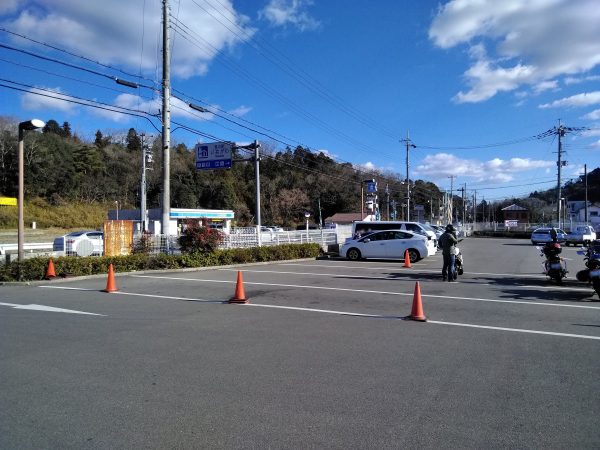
[(13, 248), (249, 237)]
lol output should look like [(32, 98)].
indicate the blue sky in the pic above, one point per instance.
[(350, 78)]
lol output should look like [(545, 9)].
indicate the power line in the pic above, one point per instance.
[(89, 83), (73, 66), (84, 102), (280, 61), (187, 34), (76, 55)]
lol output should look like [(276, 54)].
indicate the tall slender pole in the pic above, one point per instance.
[(21, 198), (166, 126), (387, 193), (362, 201), (586, 192), (257, 174), (320, 216), (451, 200), (407, 180), (561, 133), (475, 206), (143, 187)]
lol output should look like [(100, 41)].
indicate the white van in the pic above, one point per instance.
[(363, 227)]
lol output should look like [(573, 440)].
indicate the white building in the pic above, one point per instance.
[(220, 218), (576, 211)]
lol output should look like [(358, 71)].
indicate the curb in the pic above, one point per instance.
[(143, 272)]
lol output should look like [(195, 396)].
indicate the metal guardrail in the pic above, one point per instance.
[(14, 248)]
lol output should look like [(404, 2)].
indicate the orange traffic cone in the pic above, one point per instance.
[(50, 270), (111, 285), (406, 260), (417, 306), (240, 295)]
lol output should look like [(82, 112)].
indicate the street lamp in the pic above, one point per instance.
[(117, 204), (29, 125), (307, 215)]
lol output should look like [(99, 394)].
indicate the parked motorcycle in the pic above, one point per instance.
[(555, 267), (458, 260), (592, 263)]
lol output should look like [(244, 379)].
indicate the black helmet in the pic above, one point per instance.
[(450, 228)]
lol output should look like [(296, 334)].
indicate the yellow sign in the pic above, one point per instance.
[(8, 201)]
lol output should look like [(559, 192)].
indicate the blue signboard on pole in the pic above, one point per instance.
[(216, 155), (371, 187)]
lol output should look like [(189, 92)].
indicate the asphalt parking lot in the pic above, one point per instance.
[(321, 357)]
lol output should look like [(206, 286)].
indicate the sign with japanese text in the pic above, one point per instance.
[(216, 155)]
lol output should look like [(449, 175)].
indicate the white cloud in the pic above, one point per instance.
[(594, 115), (111, 31), (575, 80), (595, 145), (545, 86), (585, 99), (240, 111), (289, 12), (8, 6), (442, 165), (49, 98), (133, 102), (591, 133), (522, 36)]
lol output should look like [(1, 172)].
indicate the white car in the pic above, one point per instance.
[(80, 243), (388, 244), (580, 235)]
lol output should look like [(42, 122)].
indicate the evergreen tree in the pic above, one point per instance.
[(52, 127), (99, 141), (133, 141), (66, 130)]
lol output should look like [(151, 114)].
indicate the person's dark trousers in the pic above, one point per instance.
[(449, 268)]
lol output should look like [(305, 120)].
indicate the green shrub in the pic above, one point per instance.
[(66, 266), (199, 238)]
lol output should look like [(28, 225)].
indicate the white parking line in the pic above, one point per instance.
[(420, 270), (553, 287), (347, 313), (476, 299)]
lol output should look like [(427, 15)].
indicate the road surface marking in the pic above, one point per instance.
[(536, 275), (170, 297), (334, 275), (558, 305), (354, 314), (33, 307)]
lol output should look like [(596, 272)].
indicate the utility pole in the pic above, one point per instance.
[(409, 144), (451, 202), (586, 192), (561, 132), (257, 173), (387, 193), (320, 218), (143, 186), (166, 127), (462, 196)]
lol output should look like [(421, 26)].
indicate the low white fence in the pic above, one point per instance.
[(35, 247), (238, 238), (249, 237)]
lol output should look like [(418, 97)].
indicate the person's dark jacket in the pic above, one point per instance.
[(447, 242)]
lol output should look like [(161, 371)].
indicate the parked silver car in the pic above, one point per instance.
[(542, 235)]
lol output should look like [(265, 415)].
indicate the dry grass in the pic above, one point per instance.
[(51, 220)]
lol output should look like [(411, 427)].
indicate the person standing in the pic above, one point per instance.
[(447, 242)]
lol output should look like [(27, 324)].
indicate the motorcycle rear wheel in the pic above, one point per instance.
[(596, 285)]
